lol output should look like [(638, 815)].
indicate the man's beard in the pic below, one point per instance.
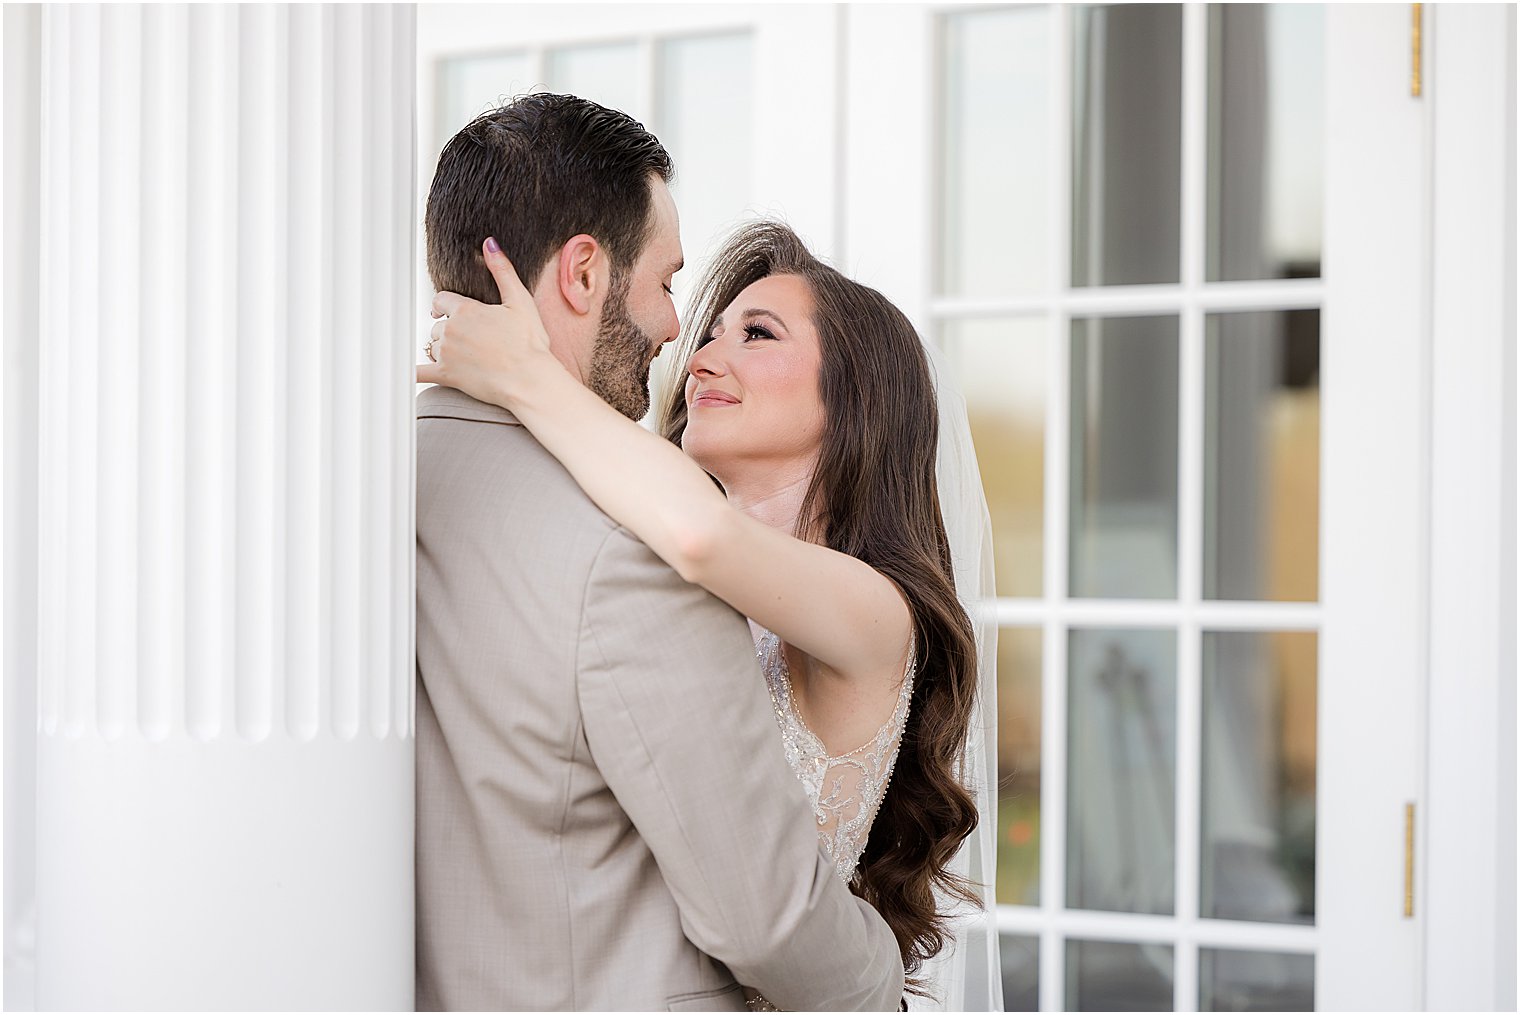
[(621, 357)]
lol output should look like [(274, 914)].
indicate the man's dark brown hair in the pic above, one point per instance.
[(533, 174)]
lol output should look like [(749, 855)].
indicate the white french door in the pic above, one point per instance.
[(1156, 240)]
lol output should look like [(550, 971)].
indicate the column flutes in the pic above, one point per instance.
[(225, 518)]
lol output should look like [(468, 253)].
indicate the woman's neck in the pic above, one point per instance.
[(772, 497)]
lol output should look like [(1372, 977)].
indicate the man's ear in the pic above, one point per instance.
[(582, 273)]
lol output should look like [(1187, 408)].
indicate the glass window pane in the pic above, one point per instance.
[(1124, 457), (706, 115), (1126, 144), (1261, 456), (1018, 679), (1266, 140), (468, 86), (606, 74), (994, 164), (1121, 764), (1021, 971), (1259, 765), (1230, 980), (1118, 976), (1000, 368)]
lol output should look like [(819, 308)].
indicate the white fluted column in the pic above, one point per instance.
[(225, 656)]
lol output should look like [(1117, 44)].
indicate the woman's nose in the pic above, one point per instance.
[(706, 362)]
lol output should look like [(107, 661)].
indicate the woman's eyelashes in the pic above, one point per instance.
[(752, 332)]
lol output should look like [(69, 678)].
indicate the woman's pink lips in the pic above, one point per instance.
[(714, 398)]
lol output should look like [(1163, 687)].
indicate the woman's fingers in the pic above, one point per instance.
[(431, 372), (482, 340), (513, 292), (447, 304)]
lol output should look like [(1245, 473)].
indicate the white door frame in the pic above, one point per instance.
[(1420, 244), (1375, 488), (1469, 884)]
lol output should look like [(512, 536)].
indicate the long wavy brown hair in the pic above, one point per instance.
[(873, 496)]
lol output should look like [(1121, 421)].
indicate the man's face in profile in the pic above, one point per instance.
[(639, 314)]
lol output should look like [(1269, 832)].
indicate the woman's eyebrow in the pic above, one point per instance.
[(755, 312)]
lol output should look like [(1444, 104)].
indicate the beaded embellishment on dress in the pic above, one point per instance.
[(845, 790)]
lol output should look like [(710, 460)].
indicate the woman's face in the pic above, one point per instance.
[(752, 385)]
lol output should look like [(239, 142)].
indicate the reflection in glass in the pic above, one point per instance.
[(1126, 144), (1121, 764), (1230, 980), (1124, 457), (995, 217), (1266, 140), (1021, 971), (1259, 764), (1018, 735), (706, 114), (1000, 368), (1118, 976), (1261, 456), (469, 85), (608, 74)]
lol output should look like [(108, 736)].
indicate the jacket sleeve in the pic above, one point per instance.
[(679, 722)]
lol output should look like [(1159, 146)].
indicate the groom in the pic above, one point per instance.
[(605, 819)]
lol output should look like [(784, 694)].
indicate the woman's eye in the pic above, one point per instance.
[(704, 340), (755, 331)]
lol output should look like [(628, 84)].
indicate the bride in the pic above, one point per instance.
[(806, 499)]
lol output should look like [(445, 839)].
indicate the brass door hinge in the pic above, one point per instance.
[(1415, 42), (1409, 859)]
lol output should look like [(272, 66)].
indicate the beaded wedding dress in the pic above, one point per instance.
[(846, 790)]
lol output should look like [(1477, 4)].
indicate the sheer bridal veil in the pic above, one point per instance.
[(966, 975)]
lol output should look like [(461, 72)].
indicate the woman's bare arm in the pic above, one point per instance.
[(833, 607)]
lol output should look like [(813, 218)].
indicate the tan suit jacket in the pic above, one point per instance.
[(605, 819)]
